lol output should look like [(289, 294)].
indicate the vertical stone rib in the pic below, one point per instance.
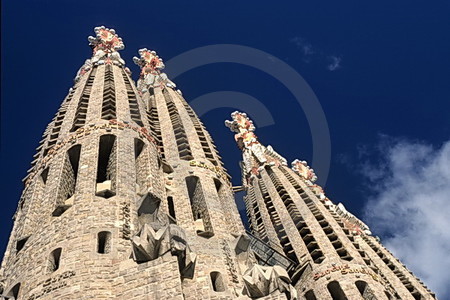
[(109, 95), (132, 101), (82, 108), (184, 149)]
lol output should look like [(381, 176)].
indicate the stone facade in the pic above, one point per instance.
[(127, 198), (335, 254)]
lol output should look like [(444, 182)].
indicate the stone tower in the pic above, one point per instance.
[(335, 253), (127, 198)]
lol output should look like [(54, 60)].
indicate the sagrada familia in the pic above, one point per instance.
[(127, 198)]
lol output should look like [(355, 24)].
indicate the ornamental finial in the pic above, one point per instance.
[(240, 123), (305, 171), (243, 127), (105, 45), (151, 76), (149, 62)]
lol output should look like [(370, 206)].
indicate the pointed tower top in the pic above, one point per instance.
[(255, 155), (105, 45)]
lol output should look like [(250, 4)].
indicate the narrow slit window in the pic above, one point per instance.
[(44, 175), (104, 242), (198, 205), (68, 181), (217, 282), (54, 260), (171, 207), (21, 243), (106, 168), (142, 164)]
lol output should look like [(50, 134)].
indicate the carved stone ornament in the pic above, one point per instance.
[(260, 280), (302, 169), (157, 237), (151, 65), (105, 45), (150, 244), (85, 68)]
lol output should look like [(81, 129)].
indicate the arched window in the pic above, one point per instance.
[(21, 243), (198, 206), (106, 167), (362, 286), (14, 292), (217, 282), (309, 295), (104, 242), (336, 291), (54, 260)]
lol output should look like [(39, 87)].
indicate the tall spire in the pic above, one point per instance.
[(255, 154)]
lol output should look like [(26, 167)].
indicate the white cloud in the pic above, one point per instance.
[(335, 63), (302, 44), (309, 53), (410, 207)]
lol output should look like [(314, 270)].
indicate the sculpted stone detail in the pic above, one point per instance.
[(229, 262), (305, 171), (126, 218), (156, 237), (353, 223), (151, 65), (105, 45), (85, 68), (260, 280)]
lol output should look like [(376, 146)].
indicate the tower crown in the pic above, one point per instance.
[(149, 62), (151, 76), (105, 45), (244, 128)]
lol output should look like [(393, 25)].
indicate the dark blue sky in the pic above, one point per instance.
[(393, 76)]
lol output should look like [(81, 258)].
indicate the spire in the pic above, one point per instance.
[(151, 65), (255, 155), (105, 45)]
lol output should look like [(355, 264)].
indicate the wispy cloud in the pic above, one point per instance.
[(410, 206), (303, 45), (310, 53), (335, 63)]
